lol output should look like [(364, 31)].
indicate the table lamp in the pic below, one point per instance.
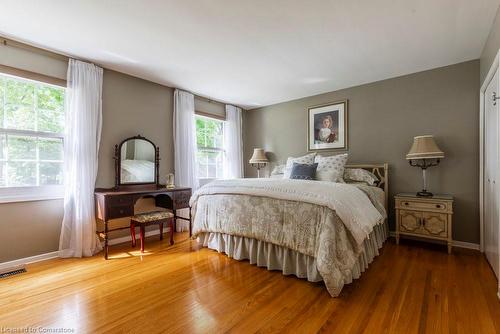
[(258, 159), (424, 153)]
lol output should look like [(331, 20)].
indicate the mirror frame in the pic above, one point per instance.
[(117, 158)]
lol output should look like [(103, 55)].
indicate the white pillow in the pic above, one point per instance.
[(306, 159), (278, 170), (331, 168), (360, 175)]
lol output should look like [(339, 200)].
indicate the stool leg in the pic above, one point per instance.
[(143, 236), (132, 233), (161, 231), (171, 221)]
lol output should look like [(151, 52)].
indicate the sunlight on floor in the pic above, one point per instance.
[(137, 253)]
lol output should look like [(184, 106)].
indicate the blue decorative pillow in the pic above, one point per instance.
[(303, 171)]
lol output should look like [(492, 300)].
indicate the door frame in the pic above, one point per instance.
[(491, 73)]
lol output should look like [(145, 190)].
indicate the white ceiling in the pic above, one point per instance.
[(256, 52)]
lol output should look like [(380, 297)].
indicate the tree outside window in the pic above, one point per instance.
[(31, 133)]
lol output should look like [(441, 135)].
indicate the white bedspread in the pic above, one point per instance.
[(352, 206)]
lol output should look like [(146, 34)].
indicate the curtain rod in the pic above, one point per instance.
[(27, 47), (209, 100)]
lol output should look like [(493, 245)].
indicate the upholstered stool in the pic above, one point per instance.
[(151, 218)]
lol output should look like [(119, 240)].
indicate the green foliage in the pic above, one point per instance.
[(3, 147), (21, 147), (51, 173), (20, 92), (30, 106), (51, 120), (21, 117), (50, 149), (21, 100), (2, 90), (21, 173), (209, 132), (50, 98)]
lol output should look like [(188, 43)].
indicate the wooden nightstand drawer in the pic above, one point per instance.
[(422, 205)]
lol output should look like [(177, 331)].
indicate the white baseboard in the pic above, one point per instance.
[(463, 244), (456, 243), (28, 260)]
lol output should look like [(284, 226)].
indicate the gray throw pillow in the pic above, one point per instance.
[(303, 171)]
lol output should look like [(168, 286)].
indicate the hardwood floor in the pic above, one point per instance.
[(182, 289)]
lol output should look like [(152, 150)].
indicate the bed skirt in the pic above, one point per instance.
[(290, 262)]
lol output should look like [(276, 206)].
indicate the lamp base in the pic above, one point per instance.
[(424, 193)]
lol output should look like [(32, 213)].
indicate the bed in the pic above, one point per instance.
[(137, 170), (320, 231)]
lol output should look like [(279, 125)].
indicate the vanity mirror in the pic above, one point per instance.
[(136, 162)]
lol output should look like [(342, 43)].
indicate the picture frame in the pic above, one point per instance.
[(327, 127)]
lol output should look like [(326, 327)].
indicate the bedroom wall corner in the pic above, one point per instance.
[(490, 48)]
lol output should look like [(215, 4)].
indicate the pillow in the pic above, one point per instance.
[(360, 175), (303, 171), (278, 170), (331, 168), (307, 159)]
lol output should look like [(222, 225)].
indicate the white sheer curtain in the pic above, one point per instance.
[(233, 143), (184, 140), (184, 147), (83, 122)]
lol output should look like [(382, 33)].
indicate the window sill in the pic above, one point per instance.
[(28, 194)]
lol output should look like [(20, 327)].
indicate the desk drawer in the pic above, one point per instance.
[(120, 200), (120, 211), (181, 199)]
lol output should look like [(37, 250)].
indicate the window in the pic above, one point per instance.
[(31, 133), (210, 139)]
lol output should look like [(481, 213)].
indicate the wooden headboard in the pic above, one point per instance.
[(381, 171)]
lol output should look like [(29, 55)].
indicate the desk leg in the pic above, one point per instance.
[(190, 224), (175, 220), (105, 240)]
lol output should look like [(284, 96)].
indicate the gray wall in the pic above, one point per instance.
[(491, 47), (383, 119), (130, 107)]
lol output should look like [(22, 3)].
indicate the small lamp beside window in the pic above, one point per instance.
[(424, 153), (258, 159)]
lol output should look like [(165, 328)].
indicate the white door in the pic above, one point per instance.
[(491, 149)]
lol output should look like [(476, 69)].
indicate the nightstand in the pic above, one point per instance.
[(424, 217)]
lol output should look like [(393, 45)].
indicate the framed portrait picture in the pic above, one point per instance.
[(327, 127)]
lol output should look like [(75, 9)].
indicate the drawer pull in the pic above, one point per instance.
[(438, 206), (406, 203)]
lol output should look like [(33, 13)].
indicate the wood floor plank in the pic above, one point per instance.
[(184, 288)]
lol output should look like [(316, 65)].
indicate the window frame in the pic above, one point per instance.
[(32, 193), (203, 115)]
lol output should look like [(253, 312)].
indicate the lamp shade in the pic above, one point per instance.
[(258, 157), (424, 147)]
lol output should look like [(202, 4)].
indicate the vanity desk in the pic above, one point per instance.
[(119, 203), (137, 165)]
